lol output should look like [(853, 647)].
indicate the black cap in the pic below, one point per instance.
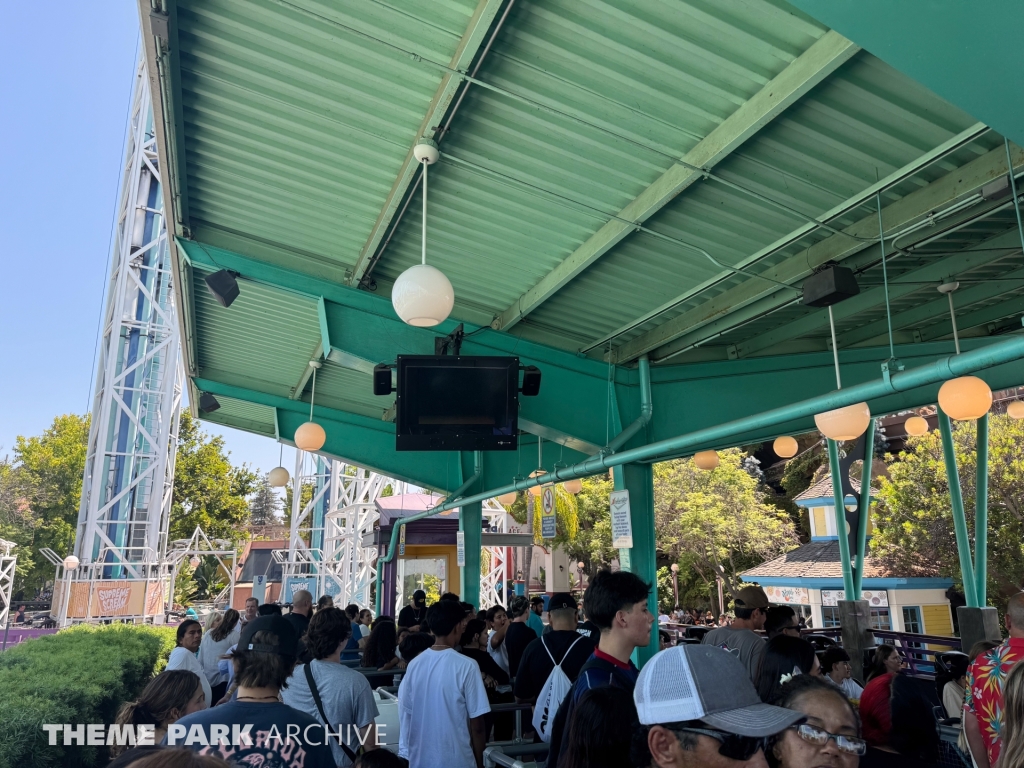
[(287, 636), (419, 597), (561, 601)]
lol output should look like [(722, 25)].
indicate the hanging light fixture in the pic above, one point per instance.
[(507, 499), (70, 563), (785, 447), (706, 459), (536, 490), (848, 422), (278, 477), (1015, 410), (916, 425), (573, 486), (422, 295), (311, 436), (967, 397)]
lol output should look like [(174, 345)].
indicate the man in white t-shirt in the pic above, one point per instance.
[(498, 620), (442, 700)]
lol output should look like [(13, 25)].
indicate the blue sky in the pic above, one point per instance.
[(65, 90)]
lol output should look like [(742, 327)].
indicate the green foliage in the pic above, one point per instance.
[(40, 492), (79, 675), (208, 490), (716, 523), (914, 521), (265, 504), (593, 542)]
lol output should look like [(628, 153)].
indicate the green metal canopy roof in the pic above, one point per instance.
[(616, 179)]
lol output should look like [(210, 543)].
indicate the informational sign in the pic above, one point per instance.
[(259, 588), (622, 525), (788, 595), (547, 512), (876, 599), (331, 586), (401, 541), (104, 599), (294, 584), (460, 549)]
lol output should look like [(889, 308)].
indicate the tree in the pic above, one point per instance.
[(914, 519), (265, 505), (716, 523), (593, 542), (208, 490)]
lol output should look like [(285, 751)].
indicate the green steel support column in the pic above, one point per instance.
[(981, 516), (840, 502), (470, 523), (865, 512), (956, 499), (639, 481)]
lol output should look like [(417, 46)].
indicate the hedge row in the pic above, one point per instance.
[(79, 675)]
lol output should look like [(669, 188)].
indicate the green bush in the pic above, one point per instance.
[(79, 675)]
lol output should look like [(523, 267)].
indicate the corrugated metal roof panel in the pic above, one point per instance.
[(244, 415)]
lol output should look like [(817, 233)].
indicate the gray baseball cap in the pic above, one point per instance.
[(706, 683)]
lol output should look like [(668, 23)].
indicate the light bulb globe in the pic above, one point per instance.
[(422, 296)]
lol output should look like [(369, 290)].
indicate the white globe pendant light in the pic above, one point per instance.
[(278, 477), (965, 398), (848, 422), (785, 447), (573, 486), (706, 459), (311, 436), (507, 499), (1015, 410), (422, 295), (916, 425), (70, 563)]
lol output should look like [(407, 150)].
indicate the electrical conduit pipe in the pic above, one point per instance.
[(933, 373)]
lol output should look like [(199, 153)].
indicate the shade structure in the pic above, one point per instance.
[(310, 437), (965, 398), (785, 446), (1015, 410), (847, 423), (706, 459), (916, 425), (423, 296), (278, 477)]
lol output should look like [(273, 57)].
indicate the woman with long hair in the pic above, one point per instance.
[(784, 658), (217, 642), (184, 655), (885, 661), (1012, 754), (166, 699), (379, 652), (600, 730)]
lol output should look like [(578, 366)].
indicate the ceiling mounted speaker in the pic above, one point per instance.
[(223, 286), (531, 381), (382, 379), (208, 403), (830, 286)]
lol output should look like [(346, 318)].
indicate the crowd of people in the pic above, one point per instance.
[(752, 692)]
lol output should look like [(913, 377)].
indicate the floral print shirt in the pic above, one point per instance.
[(984, 694)]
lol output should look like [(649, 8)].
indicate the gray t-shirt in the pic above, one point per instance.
[(348, 701), (745, 643)]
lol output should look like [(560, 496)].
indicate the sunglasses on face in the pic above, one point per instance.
[(734, 746), (851, 745)]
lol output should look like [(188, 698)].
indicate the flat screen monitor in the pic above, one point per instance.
[(457, 403)]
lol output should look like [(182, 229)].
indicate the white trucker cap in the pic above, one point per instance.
[(706, 683)]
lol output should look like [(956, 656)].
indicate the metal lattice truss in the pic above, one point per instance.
[(327, 532), (200, 545), (496, 561), (8, 561), (126, 493)]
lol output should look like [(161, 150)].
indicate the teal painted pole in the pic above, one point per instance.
[(865, 511), (470, 523), (639, 481), (956, 499), (844, 540), (981, 516)]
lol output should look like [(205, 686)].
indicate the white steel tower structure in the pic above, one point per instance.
[(129, 472)]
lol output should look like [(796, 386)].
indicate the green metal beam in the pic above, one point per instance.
[(470, 44), (864, 508), (638, 479), (838, 498), (981, 516), (956, 499), (811, 67), (940, 193)]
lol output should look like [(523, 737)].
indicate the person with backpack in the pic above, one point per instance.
[(617, 604), (552, 663)]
